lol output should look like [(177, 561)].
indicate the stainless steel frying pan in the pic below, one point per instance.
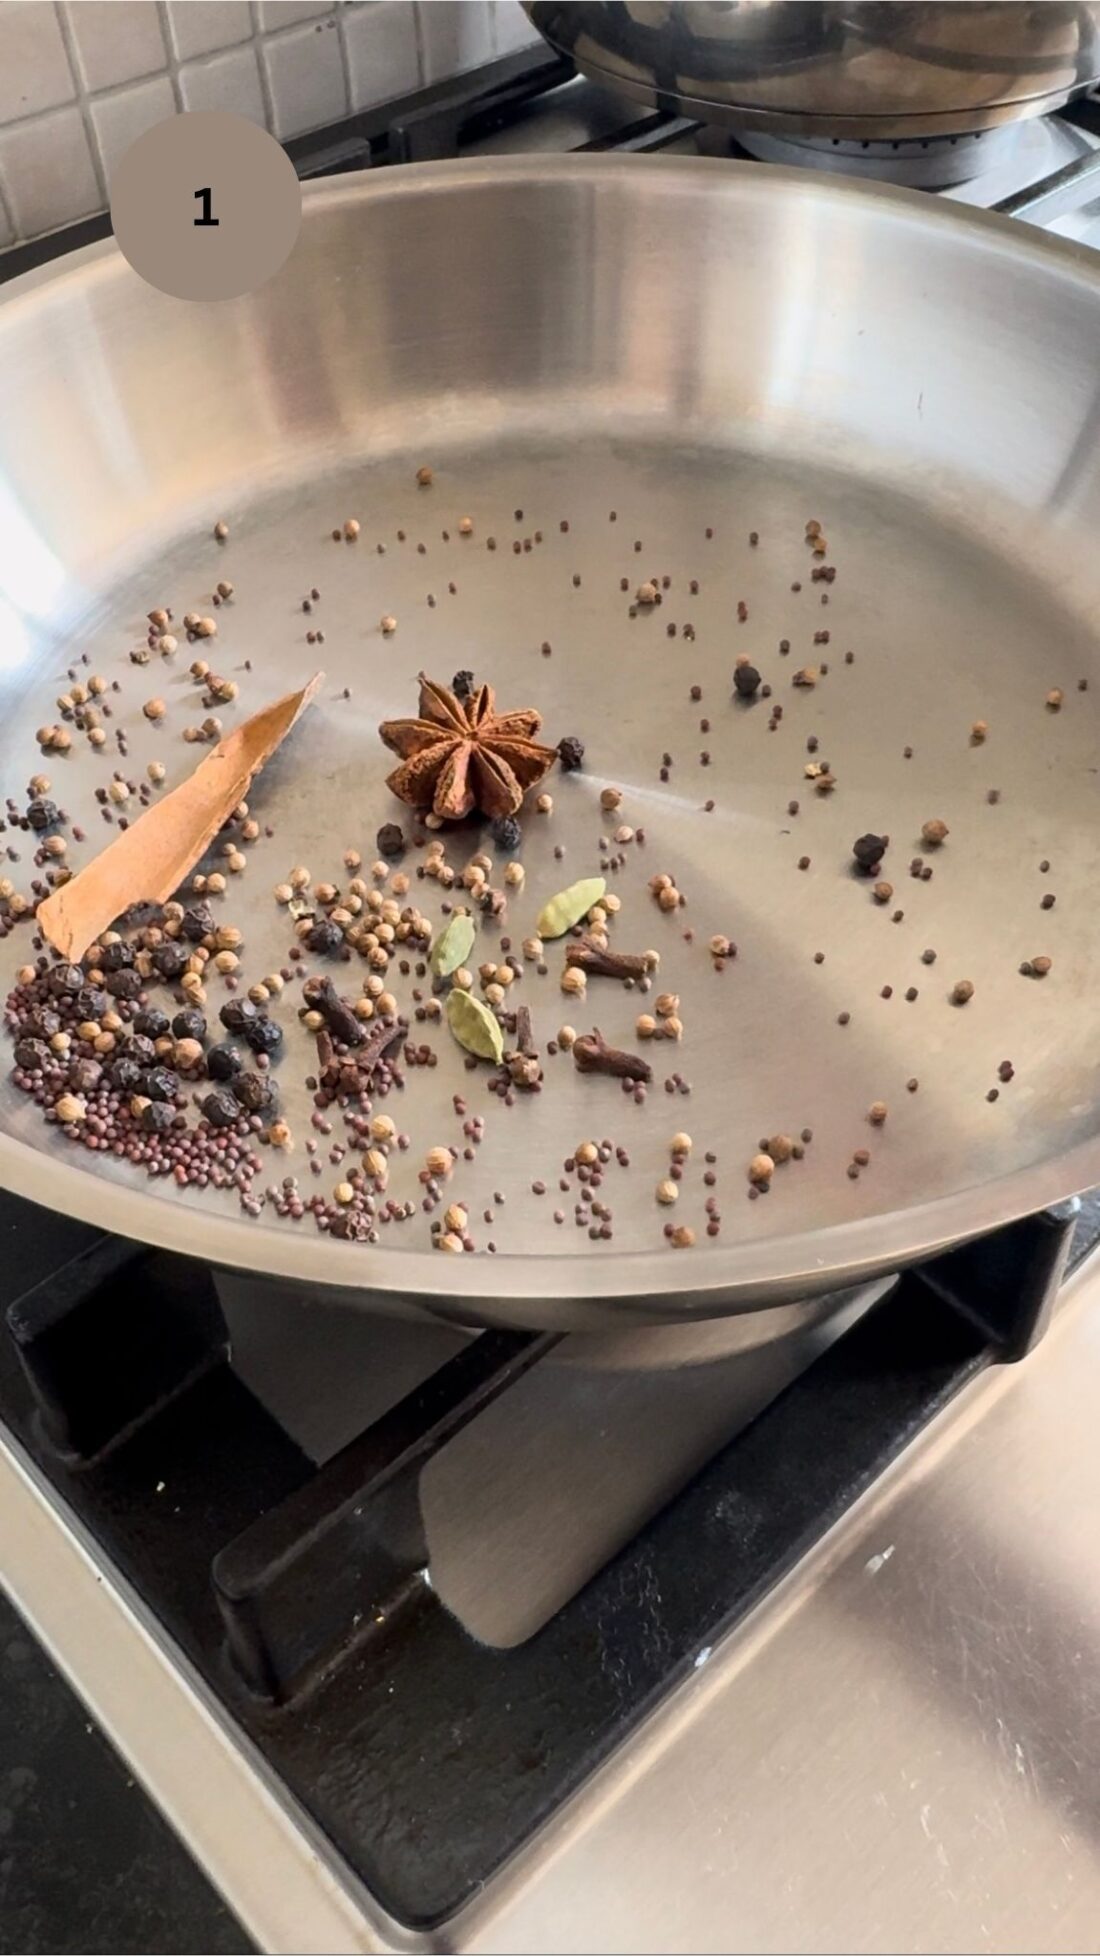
[(697, 347)]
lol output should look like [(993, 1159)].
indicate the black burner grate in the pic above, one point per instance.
[(427, 1758)]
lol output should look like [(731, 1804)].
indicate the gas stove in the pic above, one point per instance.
[(770, 1633)]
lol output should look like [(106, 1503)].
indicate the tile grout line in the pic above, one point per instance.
[(64, 24), (84, 98), (171, 68), (266, 96)]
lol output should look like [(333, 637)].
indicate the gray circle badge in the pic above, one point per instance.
[(206, 205)]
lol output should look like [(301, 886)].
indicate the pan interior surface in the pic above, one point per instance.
[(636, 369)]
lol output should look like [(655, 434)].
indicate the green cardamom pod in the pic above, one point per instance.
[(453, 945), (474, 1026), (569, 906)]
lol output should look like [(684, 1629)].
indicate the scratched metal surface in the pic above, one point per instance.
[(902, 1750), (692, 348)]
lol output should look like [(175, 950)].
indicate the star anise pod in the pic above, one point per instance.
[(462, 754)]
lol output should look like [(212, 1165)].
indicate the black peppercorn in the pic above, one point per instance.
[(85, 1075), (254, 1093), (220, 1108), (263, 1035), (222, 1062), (41, 814), (91, 1003), (390, 840), (169, 961), (237, 1013), (115, 957), (157, 1117), (189, 1024), (141, 1050), (746, 681), (124, 1074), (869, 850), (152, 1023), (160, 1084), (124, 984), (324, 936), (571, 753), (31, 1055), (197, 923), (65, 981), (506, 833), (463, 683)]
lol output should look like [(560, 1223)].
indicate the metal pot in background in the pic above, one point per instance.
[(880, 70)]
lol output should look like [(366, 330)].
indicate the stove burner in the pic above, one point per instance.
[(922, 163), (425, 1756)]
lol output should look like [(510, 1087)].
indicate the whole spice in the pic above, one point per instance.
[(962, 991), (604, 963), (869, 850), (934, 832), (220, 1108), (746, 680), (569, 906), (571, 753), (222, 1062), (461, 754), (151, 858), (321, 996), (474, 1026), (390, 840), (506, 833), (592, 1054), (453, 945)]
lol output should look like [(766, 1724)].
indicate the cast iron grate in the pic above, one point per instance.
[(427, 1758)]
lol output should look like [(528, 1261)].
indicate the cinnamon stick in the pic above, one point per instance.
[(149, 860)]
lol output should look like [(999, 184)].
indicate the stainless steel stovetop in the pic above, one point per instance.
[(896, 1748)]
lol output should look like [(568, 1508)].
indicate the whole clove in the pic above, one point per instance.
[(592, 1054), (321, 995), (586, 956), (523, 1065), (357, 1071)]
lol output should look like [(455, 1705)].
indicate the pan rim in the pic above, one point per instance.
[(722, 1279), (718, 1278), (726, 176)]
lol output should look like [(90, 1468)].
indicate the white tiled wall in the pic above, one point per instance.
[(80, 79)]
